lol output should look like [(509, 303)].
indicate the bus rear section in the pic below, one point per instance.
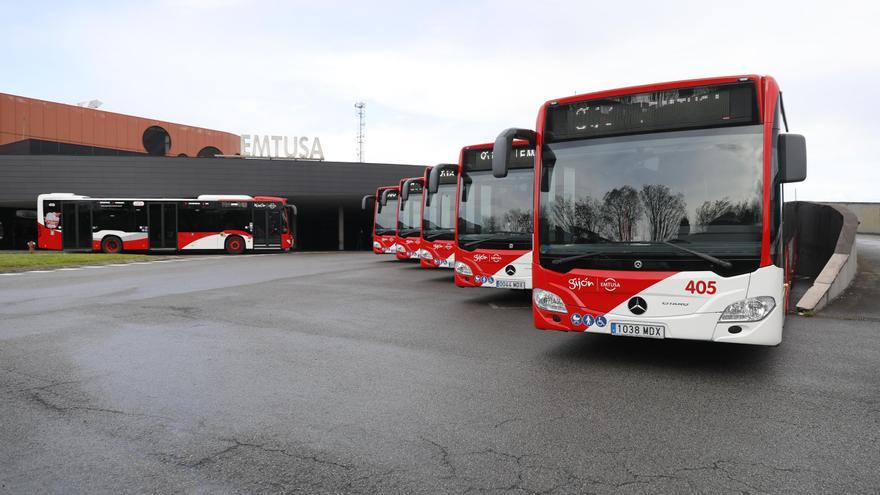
[(409, 219), (438, 216), (234, 223), (385, 220), (494, 220), (660, 211)]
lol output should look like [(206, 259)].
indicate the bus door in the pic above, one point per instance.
[(76, 225), (162, 222), (267, 226), (291, 222)]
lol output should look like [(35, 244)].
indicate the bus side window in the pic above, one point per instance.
[(139, 220), (235, 219), (111, 219)]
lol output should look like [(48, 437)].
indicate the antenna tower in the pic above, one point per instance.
[(361, 113)]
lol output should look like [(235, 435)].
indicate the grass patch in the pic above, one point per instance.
[(15, 262)]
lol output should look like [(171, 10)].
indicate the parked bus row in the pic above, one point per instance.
[(652, 211), (231, 223)]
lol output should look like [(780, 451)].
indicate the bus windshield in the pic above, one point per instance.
[(438, 222), (608, 202), (410, 217), (496, 212), (386, 218)]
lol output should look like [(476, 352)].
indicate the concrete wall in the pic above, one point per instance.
[(825, 236), (868, 215)]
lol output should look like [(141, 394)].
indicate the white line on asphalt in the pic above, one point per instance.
[(11, 274), (68, 269)]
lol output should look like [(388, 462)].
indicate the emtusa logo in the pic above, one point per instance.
[(480, 257), (580, 283), (610, 284), (496, 258)]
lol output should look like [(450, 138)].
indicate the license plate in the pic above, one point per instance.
[(651, 331), (510, 284)]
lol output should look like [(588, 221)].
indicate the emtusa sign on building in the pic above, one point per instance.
[(256, 145)]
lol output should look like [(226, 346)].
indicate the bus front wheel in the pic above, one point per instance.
[(235, 245), (111, 245)]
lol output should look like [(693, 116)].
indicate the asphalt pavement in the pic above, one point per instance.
[(354, 373)]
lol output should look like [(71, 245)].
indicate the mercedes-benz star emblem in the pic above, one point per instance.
[(510, 270), (638, 263), (637, 305)]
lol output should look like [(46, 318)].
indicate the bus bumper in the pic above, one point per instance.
[(699, 326)]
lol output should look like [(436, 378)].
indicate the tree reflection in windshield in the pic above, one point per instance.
[(696, 186)]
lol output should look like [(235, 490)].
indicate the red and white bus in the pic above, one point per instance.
[(384, 219), (660, 210), (438, 216), (234, 223), (409, 219), (494, 219)]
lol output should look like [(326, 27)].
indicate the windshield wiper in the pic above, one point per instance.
[(438, 234), (581, 256), (707, 257), (497, 238)]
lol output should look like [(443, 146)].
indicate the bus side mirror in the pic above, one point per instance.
[(404, 190), (434, 176), (792, 158), (504, 145), (384, 199), (364, 201)]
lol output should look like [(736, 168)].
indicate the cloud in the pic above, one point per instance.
[(436, 79)]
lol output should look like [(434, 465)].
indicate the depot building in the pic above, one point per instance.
[(52, 147)]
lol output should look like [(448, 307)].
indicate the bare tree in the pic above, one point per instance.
[(747, 212), (518, 221), (724, 212), (621, 210), (490, 224), (710, 211), (577, 219), (664, 211)]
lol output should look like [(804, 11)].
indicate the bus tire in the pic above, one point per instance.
[(234, 245), (111, 245)]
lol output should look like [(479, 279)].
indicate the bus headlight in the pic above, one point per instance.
[(401, 248), (427, 255), (377, 245), (548, 301), (463, 269), (751, 309)]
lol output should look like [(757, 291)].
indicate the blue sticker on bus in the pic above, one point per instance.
[(589, 320), (575, 319), (601, 321)]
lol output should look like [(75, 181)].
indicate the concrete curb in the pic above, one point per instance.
[(839, 271)]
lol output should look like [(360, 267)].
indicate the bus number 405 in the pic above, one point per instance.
[(701, 287)]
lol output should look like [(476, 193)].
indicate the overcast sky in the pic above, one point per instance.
[(440, 75)]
